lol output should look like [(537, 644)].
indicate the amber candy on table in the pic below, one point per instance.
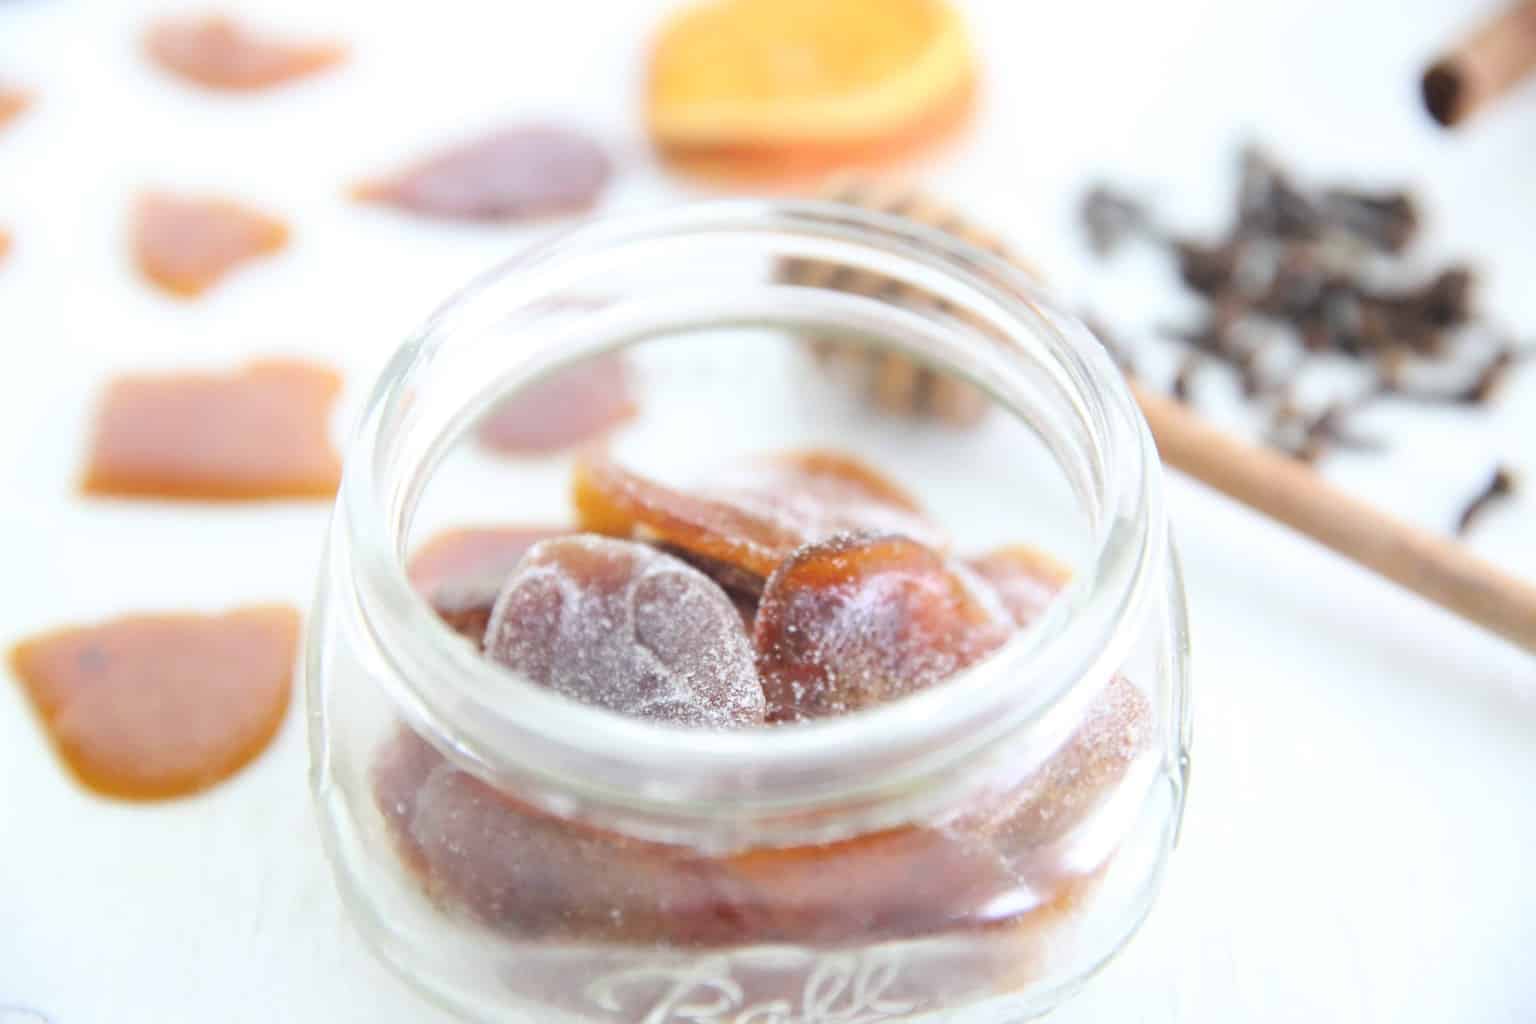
[(13, 103), (147, 707), (218, 52), (262, 431), (514, 173), (187, 244), (574, 405)]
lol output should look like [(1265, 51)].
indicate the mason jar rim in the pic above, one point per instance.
[(884, 759)]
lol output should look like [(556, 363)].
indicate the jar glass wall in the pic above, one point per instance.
[(967, 853)]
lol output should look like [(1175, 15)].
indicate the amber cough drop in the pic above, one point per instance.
[(186, 245), (217, 52), (858, 621), (628, 628), (754, 516), (13, 102), (460, 571), (259, 432), (577, 404), (515, 173), (148, 707)]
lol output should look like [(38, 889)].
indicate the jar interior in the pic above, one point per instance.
[(708, 397)]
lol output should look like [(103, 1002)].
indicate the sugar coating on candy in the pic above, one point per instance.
[(1024, 578), (218, 52), (518, 172), (626, 627), (820, 494), (753, 516), (908, 881), (460, 571), (529, 874), (576, 404), (1067, 788), (187, 244), (858, 621), (473, 553)]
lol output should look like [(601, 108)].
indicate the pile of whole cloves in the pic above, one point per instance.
[(1303, 275)]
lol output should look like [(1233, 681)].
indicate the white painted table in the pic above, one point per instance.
[(1361, 825)]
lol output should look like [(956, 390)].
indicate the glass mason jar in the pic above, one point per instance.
[(969, 853)]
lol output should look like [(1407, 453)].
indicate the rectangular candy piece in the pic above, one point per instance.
[(259, 432)]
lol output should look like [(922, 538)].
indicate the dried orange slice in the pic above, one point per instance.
[(791, 85)]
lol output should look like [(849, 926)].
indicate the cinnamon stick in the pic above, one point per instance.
[(1484, 66)]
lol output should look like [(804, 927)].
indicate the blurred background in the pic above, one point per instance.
[(1360, 818)]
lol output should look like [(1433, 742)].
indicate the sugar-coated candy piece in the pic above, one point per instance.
[(187, 244), (857, 621), (531, 875), (218, 52), (822, 493), (513, 173), (460, 571), (473, 553), (628, 628), (1024, 578), (1068, 787), (756, 515), (576, 404), (908, 881)]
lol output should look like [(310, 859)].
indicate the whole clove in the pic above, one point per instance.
[(1308, 436), (1500, 486), (1320, 272), (1112, 218), (1480, 388), (1183, 380), (1387, 221)]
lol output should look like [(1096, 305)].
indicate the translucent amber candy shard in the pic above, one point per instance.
[(186, 245), (153, 706), (577, 404), (514, 173), (13, 103), (756, 514), (218, 52), (260, 432)]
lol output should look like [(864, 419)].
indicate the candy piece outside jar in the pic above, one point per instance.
[(982, 959)]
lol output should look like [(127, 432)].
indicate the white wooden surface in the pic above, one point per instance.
[(1361, 825)]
